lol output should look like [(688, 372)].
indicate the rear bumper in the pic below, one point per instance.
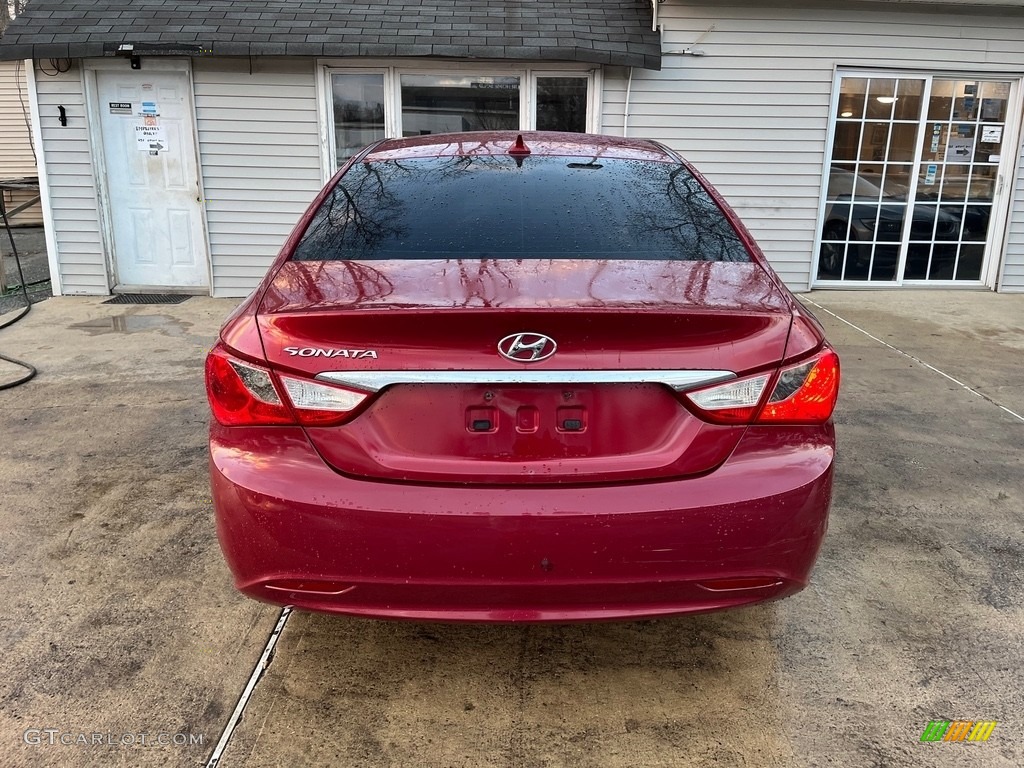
[(519, 554)]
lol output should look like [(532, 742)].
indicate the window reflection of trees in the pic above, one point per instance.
[(596, 240), (692, 222), (356, 280), (411, 209), (483, 281), (355, 218), (495, 116)]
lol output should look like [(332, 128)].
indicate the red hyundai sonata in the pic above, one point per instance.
[(520, 377)]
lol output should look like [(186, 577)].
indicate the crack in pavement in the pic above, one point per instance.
[(257, 674), (917, 360)]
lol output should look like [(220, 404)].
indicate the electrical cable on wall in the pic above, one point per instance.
[(60, 67), (19, 82), (28, 306)]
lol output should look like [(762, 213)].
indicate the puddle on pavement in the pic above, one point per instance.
[(165, 324)]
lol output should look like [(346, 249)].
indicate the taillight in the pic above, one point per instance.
[(320, 405), (734, 402), (242, 394), (804, 393)]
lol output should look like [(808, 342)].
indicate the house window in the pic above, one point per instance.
[(562, 104), (365, 105), (454, 103), (357, 101)]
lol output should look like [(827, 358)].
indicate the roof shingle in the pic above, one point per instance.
[(601, 32)]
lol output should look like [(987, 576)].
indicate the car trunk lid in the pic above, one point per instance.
[(447, 407)]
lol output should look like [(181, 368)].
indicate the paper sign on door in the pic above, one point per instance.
[(150, 138), (991, 134), (959, 150)]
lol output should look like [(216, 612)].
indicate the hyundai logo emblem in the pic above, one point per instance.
[(527, 347)]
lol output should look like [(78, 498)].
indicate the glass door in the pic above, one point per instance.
[(956, 180), (869, 180), (912, 179)]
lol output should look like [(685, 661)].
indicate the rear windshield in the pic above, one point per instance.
[(539, 208)]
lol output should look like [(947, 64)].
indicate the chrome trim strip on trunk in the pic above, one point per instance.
[(374, 381)]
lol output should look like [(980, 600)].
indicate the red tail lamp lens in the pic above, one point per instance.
[(805, 393), (242, 394)]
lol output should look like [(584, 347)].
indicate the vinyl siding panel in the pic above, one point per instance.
[(753, 112), (16, 157), (73, 196), (1013, 264), (259, 147)]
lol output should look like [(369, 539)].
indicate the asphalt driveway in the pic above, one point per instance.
[(119, 624)]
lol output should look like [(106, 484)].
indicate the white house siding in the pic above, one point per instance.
[(69, 170), (753, 112), (16, 158), (1013, 269), (260, 156)]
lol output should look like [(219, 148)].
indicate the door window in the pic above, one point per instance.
[(960, 157), (869, 178)]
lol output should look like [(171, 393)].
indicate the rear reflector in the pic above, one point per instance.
[(310, 586), (736, 584)]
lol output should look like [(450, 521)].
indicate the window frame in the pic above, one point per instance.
[(392, 74), (328, 134)]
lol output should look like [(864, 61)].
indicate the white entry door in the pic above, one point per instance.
[(152, 179)]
